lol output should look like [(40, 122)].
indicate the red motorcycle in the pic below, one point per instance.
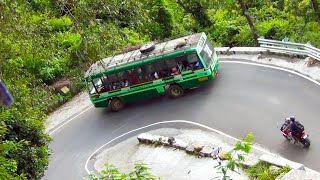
[(302, 137)]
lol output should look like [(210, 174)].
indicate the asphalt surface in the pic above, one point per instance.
[(244, 98)]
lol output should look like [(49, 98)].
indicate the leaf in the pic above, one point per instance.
[(240, 157), (246, 148), (249, 138)]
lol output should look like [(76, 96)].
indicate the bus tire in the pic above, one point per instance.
[(116, 104), (175, 91)]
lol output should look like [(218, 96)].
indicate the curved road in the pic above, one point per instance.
[(244, 98)]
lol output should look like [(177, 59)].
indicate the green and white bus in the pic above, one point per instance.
[(154, 69)]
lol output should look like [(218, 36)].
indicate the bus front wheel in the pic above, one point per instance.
[(116, 104), (175, 91)]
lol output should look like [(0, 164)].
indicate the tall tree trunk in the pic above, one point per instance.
[(197, 10), (316, 8), (281, 5), (294, 5), (249, 20)]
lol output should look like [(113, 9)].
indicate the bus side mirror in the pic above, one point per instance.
[(5, 96)]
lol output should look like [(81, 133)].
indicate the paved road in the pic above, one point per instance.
[(243, 98)]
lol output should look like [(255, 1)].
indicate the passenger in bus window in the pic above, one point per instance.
[(164, 73), (133, 78), (106, 85), (156, 76), (124, 83), (187, 67), (147, 77), (180, 66), (174, 71), (114, 86), (139, 74), (198, 64)]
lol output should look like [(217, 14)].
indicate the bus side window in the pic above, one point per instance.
[(114, 82), (149, 72), (162, 68), (106, 84), (173, 66), (194, 61), (123, 79), (183, 64), (132, 77), (97, 82), (92, 89), (138, 72)]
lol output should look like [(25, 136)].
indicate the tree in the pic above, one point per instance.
[(160, 25), (316, 8), (249, 20), (280, 5), (198, 11)]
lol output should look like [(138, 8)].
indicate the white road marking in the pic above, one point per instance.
[(274, 67), (167, 122), (179, 121), (70, 120), (190, 122)]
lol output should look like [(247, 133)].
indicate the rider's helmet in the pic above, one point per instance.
[(292, 119)]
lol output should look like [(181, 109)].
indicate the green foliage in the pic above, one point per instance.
[(141, 171), (134, 37), (274, 29), (60, 24), (197, 9), (43, 41), (156, 142), (240, 150), (68, 40), (262, 171), (53, 69), (227, 27)]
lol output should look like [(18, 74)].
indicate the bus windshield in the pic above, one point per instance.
[(207, 53)]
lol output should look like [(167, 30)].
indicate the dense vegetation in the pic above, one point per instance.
[(43, 41)]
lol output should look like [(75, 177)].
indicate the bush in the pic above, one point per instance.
[(227, 28), (276, 29), (262, 171), (60, 24), (54, 68), (68, 40), (311, 33), (23, 144)]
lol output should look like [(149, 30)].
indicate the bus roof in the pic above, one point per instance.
[(135, 55)]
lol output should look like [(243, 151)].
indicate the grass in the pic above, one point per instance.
[(156, 143), (262, 171)]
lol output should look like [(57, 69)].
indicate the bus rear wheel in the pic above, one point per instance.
[(175, 91), (116, 104)]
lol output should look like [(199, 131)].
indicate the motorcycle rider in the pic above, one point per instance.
[(293, 128)]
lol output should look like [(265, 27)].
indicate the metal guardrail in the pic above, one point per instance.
[(291, 48)]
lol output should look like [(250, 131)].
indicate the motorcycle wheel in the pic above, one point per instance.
[(306, 142)]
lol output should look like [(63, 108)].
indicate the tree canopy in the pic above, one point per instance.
[(43, 41)]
